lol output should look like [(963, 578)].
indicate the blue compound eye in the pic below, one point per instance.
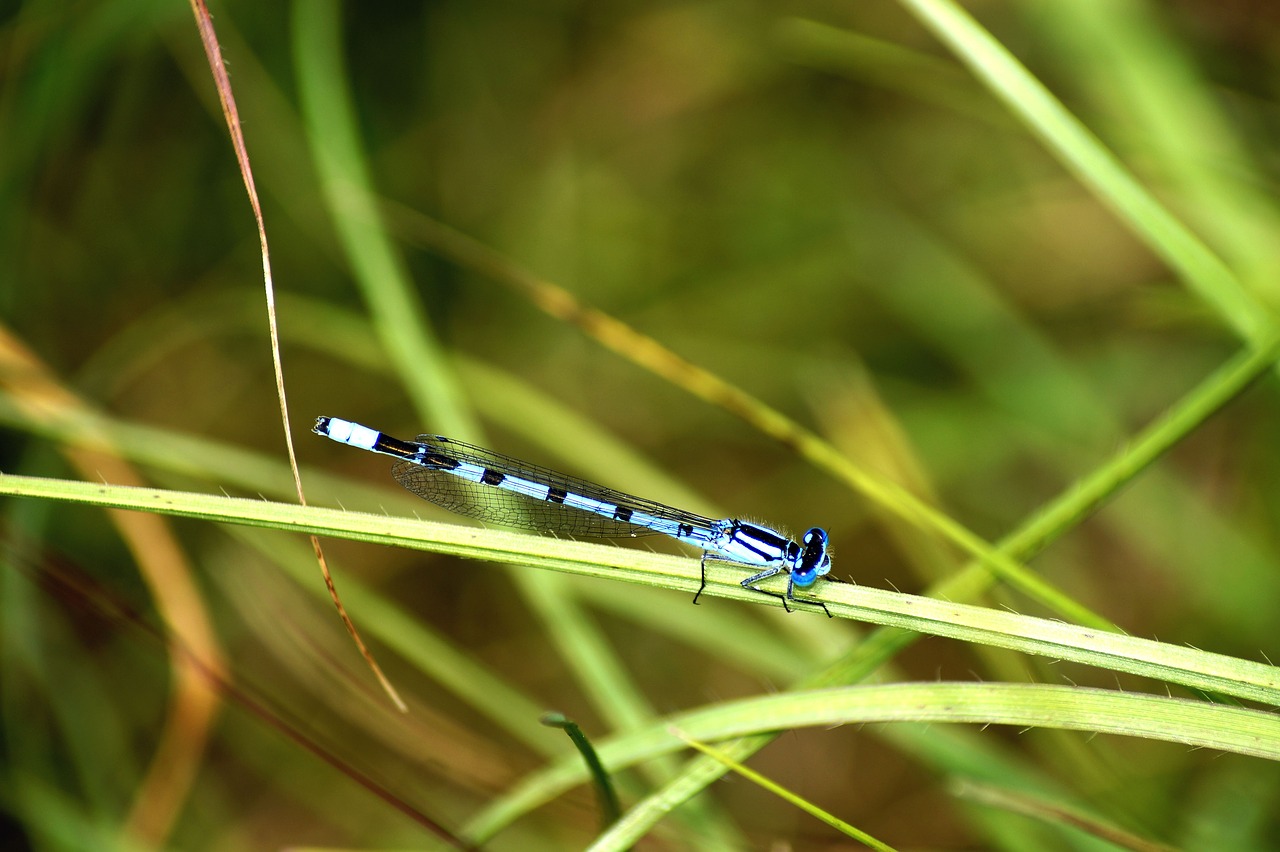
[(803, 578), (815, 561)]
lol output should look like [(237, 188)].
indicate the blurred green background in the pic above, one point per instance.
[(814, 201)]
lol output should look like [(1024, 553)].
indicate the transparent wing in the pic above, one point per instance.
[(498, 505)]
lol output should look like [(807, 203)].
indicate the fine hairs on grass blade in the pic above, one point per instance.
[(1191, 667)]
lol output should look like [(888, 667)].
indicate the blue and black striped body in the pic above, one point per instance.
[(491, 487)]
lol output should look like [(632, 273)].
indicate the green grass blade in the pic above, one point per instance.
[(1188, 666), (610, 810), (1195, 723), (380, 271), (1097, 168)]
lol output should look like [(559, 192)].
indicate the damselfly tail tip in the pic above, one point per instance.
[(346, 432)]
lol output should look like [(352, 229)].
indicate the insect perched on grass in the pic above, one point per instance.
[(499, 489)]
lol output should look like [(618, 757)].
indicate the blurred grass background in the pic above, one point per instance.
[(815, 202)]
